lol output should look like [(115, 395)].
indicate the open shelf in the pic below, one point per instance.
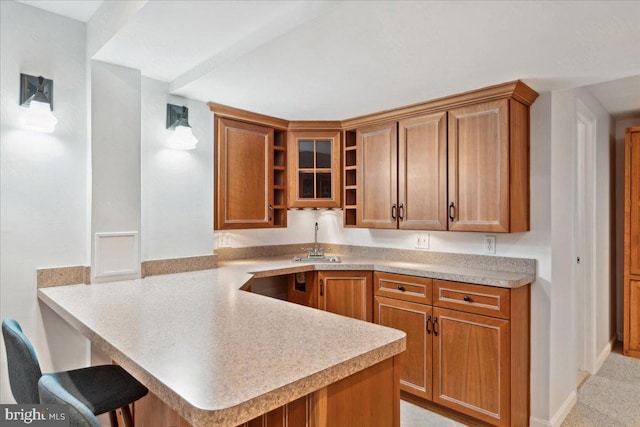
[(350, 175)]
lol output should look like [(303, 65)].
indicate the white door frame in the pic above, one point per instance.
[(584, 238)]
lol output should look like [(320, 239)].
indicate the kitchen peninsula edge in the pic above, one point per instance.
[(219, 356)]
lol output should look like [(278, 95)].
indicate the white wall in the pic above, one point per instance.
[(177, 185), (115, 163), (563, 366), (43, 181), (620, 126)]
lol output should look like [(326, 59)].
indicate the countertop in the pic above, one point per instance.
[(219, 355)]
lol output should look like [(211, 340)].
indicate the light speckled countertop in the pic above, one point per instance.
[(221, 356)]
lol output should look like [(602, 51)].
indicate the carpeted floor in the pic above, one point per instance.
[(610, 398)]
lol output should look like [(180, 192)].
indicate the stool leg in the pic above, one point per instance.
[(126, 416), (113, 418)]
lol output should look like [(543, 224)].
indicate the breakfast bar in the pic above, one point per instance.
[(217, 355)]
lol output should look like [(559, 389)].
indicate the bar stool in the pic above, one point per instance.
[(101, 389), (51, 391)]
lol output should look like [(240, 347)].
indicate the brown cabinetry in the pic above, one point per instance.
[(314, 169), (632, 244), (415, 362), (489, 167), (467, 345), (401, 174), (349, 293), (471, 365), (458, 163), (250, 174)]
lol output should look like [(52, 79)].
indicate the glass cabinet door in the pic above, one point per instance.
[(314, 171)]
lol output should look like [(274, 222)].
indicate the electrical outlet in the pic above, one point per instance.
[(422, 241), (224, 240), (489, 244)]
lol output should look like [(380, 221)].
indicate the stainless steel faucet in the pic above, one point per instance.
[(316, 251)]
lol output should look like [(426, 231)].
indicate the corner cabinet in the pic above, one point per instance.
[(250, 175), (314, 169), (632, 244), (348, 293)]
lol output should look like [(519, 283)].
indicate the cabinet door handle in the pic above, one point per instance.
[(401, 212), (467, 298), (401, 288), (321, 287), (452, 211), (270, 212), (435, 326), (428, 321), (394, 208)]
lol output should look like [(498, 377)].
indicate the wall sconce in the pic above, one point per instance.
[(178, 121), (37, 94)]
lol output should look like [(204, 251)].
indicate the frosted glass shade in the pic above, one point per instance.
[(182, 138), (40, 118)]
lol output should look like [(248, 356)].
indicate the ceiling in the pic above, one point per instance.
[(78, 10), (328, 60)]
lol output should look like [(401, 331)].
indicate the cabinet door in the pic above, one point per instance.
[(422, 172), (633, 201), (244, 174), (377, 177), (349, 293), (314, 169), (471, 365), (416, 361), (633, 305), (479, 167)]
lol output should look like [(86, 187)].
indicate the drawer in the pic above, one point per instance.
[(400, 286), (487, 300)]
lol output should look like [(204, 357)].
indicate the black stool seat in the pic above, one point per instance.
[(101, 388)]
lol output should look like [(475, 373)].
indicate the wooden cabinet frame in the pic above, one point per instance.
[(631, 336), (469, 331), (293, 166), (242, 198)]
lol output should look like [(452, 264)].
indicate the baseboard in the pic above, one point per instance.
[(606, 351), (560, 414)]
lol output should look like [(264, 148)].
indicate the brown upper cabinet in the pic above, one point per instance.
[(403, 174), (489, 167), (250, 169), (314, 169), (459, 163)]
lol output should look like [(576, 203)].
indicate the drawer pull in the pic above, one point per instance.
[(428, 321), (401, 288), (467, 298)]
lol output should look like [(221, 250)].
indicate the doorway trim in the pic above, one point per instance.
[(584, 238)]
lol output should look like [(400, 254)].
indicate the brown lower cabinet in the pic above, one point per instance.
[(349, 293), (370, 397), (467, 345)]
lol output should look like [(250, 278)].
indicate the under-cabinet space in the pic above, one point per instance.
[(273, 286)]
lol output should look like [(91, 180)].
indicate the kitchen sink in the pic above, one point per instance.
[(331, 259)]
